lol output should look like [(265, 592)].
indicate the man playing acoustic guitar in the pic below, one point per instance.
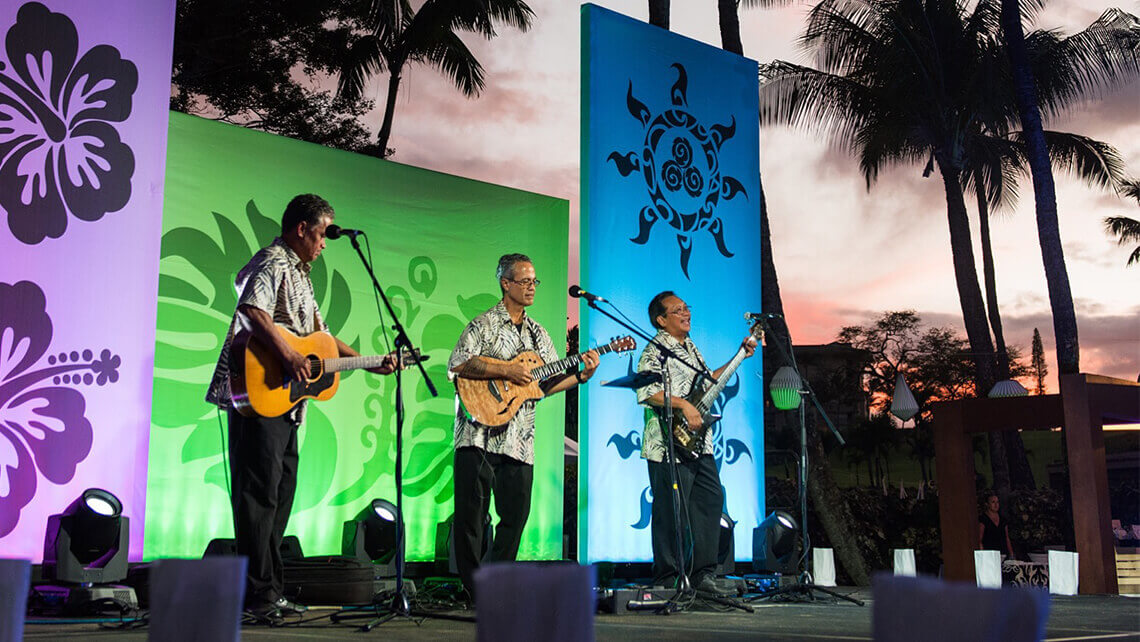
[(500, 459), (701, 494), (274, 290)]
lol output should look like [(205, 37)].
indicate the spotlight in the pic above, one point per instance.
[(87, 544), (726, 557), (774, 544), (372, 534)]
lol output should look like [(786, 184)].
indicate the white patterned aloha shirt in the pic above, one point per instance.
[(492, 334), (680, 382), (276, 281)]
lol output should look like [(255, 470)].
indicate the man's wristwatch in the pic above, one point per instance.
[(578, 376)]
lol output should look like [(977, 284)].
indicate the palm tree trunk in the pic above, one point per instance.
[(973, 311), (990, 280), (729, 26), (389, 109), (966, 277), (659, 13), (1044, 191)]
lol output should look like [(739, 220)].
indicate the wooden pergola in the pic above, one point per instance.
[(1084, 406)]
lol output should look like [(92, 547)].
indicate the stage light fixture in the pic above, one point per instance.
[(774, 544), (726, 550), (85, 551), (785, 388), (88, 541), (372, 534)]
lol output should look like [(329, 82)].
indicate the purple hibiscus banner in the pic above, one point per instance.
[(84, 88)]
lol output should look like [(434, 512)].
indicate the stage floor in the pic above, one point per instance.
[(1086, 617)]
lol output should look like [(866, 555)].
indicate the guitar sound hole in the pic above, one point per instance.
[(315, 368)]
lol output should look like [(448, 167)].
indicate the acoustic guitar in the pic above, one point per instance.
[(260, 385), (494, 402), (689, 441)]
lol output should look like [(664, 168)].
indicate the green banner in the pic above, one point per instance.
[(437, 239)]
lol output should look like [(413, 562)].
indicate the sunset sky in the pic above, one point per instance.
[(843, 254)]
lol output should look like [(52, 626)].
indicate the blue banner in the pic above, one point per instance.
[(670, 201)]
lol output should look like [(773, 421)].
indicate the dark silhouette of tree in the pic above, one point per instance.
[(659, 13), (392, 35), (830, 504), (1038, 366), (1127, 230), (934, 362), (917, 80), (256, 63)]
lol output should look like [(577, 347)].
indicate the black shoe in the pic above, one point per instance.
[(262, 613), (707, 586), (288, 608)]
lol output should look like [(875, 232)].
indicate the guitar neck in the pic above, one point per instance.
[(712, 393), (548, 370), (341, 364)]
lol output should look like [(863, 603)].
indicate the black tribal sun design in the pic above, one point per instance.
[(681, 167)]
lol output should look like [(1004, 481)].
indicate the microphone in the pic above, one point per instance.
[(752, 316), (578, 292), (336, 231)]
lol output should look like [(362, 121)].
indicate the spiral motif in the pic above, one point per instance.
[(694, 182), (672, 175), (682, 151)]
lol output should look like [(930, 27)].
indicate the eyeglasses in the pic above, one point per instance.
[(526, 283), (681, 310)]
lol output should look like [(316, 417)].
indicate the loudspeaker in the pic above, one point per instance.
[(290, 547)]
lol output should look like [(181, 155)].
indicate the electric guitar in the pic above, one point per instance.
[(260, 385), (689, 441), (494, 402)]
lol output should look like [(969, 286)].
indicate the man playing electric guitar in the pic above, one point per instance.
[(274, 289), (698, 480), (500, 459)]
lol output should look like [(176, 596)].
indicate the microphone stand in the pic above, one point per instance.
[(684, 585), (803, 585), (400, 605)]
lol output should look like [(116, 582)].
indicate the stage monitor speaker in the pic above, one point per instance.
[(290, 547)]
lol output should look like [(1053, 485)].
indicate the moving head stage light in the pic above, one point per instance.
[(87, 545), (774, 544)]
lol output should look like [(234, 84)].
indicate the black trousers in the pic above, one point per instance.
[(263, 468), (702, 499), (477, 474)]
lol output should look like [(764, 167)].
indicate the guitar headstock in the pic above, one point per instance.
[(757, 331), (622, 344)]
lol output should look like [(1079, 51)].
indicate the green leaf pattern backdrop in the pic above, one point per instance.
[(435, 240)]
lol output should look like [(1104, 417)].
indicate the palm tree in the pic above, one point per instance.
[(393, 34), (831, 507), (1127, 230), (994, 163), (1116, 45), (912, 80)]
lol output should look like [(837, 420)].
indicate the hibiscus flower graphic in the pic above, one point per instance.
[(43, 426), (59, 153)]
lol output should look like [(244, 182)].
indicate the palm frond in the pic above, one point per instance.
[(362, 59), (805, 97), (1130, 188), (1127, 230), (1087, 63), (455, 60), (1092, 161)]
